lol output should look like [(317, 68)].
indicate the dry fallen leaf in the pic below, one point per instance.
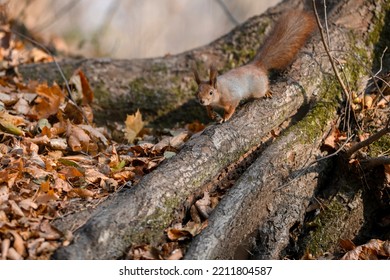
[(4, 194), (367, 101), (143, 252), (134, 125), (9, 123), (195, 216), (347, 244), (49, 232), (109, 185), (93, 176), (33, 245), (12, 254), (18, 243), (86, 88), (74, 113), (78, 139), (27, 204), (175, 234), (372, 250), (123, 176), (178, 140), (162, 144), (5, 244), (70, 172), (48, 101), (83, 193), (203, 206), (83, 92), (37, 55), (333, 138), (190, 230), (44, 198), (22, 106), (15, 208), (45, 186), (95, 133)]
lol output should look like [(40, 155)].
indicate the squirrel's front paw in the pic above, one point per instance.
[(268, 94), (216, 117), (219, 119)]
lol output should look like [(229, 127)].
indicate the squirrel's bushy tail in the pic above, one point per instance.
[(285, 40)]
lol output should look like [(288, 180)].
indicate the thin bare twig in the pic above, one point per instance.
[(346, 92), (383, 81), (326, 23), (369, 140), (375, 76), (348, 110), (381, 61), (379, 91), (335, 70)]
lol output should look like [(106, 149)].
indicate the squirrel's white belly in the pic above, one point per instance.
[(240, 83)]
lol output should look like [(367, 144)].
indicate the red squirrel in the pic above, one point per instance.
[(251, 80)]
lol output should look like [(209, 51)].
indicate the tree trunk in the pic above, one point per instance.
[(273, 193)]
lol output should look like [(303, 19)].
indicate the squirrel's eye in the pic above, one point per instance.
[(211, 92)]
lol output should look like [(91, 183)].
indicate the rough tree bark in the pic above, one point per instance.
[(272, 196), (260, 199)]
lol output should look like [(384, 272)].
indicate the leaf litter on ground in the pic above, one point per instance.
[(53, 159)]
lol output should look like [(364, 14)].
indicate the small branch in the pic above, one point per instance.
[(328, 52), (383, 81), (332, 62), (375, 76), (348, 109), (369, 140), (326, 23), (381, 61)]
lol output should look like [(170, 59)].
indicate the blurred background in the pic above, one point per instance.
[(131, 28)]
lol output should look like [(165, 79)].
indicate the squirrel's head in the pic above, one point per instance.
[(207, 90)]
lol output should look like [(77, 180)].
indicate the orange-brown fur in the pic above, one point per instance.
[(251, 80)]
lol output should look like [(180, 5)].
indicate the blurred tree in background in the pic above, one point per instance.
[(131, 28)]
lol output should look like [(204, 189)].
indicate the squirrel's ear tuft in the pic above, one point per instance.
[(213, 76), (196, 75)]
